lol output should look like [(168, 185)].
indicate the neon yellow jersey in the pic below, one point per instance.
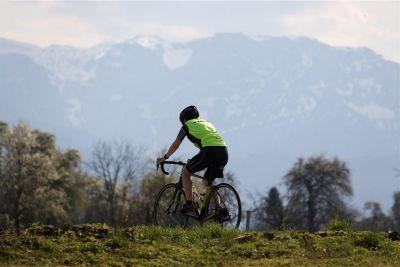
[(202, 133)]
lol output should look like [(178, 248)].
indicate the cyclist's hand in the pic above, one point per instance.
[(159, 161)]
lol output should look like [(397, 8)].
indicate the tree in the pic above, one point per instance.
[(141, 204), (117, 165), (96, 205), (396, 210), (28, 178), (318, 186), (295, 211), (270, 213), (377, 221), (74, 182)]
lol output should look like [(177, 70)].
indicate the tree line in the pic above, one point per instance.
[(42, 183), (318, 190)]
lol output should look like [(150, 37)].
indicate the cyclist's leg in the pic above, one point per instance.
[(219, 158), (195, 164), (187, 183), (215, 198), (191, 167), (206, 184)]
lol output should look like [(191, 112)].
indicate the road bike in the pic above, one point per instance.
[(219, 203)]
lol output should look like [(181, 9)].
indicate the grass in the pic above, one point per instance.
[(211, 245)]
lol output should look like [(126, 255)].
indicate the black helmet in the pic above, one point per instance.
[(189, 113)]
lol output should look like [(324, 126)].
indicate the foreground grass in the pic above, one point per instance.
[(207, 246)]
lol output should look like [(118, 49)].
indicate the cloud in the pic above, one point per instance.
[(172, 32), (372, 24), (35, 23), (84, 24), (373, 111), (339, 23)]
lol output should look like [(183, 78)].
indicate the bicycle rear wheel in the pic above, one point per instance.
[(169, 202), (224, 196)]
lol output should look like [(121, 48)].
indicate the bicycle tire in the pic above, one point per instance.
[(234, 206), (166, 210)]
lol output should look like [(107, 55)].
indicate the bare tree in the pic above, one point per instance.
[(117, 164), (318, 185), (377, 220), (141, 206)]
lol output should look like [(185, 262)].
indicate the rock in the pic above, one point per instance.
[(394, 236), (269, 235), (244, 238), (322, 234), (45, 230)]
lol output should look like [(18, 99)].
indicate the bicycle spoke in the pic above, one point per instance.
[(166, 208), (175, 220), (177, 203), (185, 222), (172, 201), (224, 206)]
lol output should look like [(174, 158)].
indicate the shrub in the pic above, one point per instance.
[(339, 225), (369, 240)]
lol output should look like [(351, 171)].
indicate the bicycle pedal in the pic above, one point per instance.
[(188, 212), (226, 218), (221, 211), (209, 217), (192, 213)]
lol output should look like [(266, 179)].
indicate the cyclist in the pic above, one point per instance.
[(213, 154)]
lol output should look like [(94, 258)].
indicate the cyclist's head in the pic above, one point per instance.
[(189, 113)]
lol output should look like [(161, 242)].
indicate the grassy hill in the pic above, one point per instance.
[(207, 246)]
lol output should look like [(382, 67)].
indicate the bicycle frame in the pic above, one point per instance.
[(181, 163)]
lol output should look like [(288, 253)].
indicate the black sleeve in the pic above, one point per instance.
[(182, 133)]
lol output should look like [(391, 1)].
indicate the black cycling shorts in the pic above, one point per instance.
[(214, 158)]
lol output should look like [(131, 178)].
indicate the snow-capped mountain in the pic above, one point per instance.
[(273, 99)]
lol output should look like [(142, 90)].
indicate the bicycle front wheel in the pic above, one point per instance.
[(167, 207), (224, 206)]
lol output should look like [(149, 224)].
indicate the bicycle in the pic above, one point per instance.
[(171, 198)]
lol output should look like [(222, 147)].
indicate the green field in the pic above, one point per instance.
[(207, 246)]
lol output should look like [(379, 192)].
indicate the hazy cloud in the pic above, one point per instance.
[(373, 111), (372, 24), (344, 23)]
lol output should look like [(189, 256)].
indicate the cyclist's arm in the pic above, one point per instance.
[(174, 146)]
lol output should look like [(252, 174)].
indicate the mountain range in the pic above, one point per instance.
[(273, 99)]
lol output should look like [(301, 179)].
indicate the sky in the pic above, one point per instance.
[(372, 24)]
